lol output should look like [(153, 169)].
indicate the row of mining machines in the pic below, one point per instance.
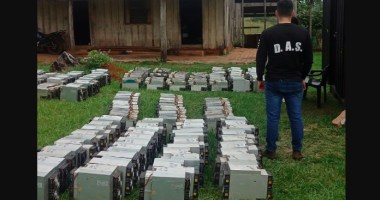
[(102, 159), (239, 171), (220, 79), (71, 86), (178, 173)]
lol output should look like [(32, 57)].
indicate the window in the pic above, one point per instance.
[(137, 12)]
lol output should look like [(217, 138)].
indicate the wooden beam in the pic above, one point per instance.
[(71, 28), (163, 37), (259, 4), (265, 14), (242, 23), (226, 25)]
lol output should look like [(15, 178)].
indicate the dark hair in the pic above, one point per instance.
[(295, 21), (284, 8)]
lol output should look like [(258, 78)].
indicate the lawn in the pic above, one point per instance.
[(320, 175)]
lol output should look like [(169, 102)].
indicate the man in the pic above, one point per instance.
[(289, 52)]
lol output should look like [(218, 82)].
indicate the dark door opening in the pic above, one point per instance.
[(81, 22), (191, 21)]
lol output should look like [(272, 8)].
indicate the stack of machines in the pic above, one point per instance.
[(40, 72), (238, 167), (42, 76), (48, 85), (178, 173), (55, 166), (79, 90), (132, 153), (72, 86), (178, 81), (198, 81), (215, 109), (124, 159), (157, 79), (126, 104), (217, 80), (135, 78), (251, 75), (78, 162), (62, 79), (48, 90), (237, 81), (52, 175), (170, 108), (100, 181)]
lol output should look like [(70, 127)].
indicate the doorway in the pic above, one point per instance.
[(81, 22), (191, 21)]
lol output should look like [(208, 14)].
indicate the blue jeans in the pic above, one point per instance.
[(292, 92)]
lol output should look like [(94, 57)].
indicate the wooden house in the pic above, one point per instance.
[(204, 25)]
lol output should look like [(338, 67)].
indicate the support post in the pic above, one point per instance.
[(163, 36), (265, 14)]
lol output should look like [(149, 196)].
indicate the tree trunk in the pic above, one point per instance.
[(311, 17)]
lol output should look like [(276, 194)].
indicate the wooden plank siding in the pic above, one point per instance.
[(213, 24), (115, 18), (109, 23), (219, 24), (40, 18), (205, 24), (156, 22), (111, 27), (173, 24), (237, 24), (230, 26)]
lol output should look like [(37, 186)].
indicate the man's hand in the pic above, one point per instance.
[(260, 86), (304, 84)]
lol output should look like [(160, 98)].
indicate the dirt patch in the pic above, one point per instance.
[(116, 72)]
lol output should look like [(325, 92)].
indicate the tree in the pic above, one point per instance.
[(309, 14)]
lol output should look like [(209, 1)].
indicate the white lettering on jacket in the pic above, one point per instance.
[(288, 47)]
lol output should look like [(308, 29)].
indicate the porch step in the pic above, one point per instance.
[(191, 52)]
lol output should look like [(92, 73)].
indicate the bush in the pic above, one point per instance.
[(96, 59)]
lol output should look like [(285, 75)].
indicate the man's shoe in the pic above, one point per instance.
[(270, 154), (297, 155)]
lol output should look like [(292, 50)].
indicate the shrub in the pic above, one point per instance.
[(96, 59)]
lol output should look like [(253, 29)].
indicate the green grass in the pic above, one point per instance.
[(317, 60), (320, 175)]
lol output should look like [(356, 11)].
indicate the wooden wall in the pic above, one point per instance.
[(173, 24), (237, 25), (108, 27), (213, 23), (229, 18), (53, 15)]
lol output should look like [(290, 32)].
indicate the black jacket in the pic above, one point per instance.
[(288, 50)]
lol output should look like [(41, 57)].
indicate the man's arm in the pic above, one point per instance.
[(308, 56), (261, 57)]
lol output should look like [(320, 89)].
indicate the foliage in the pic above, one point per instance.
[(96, 59), (303, 7)]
